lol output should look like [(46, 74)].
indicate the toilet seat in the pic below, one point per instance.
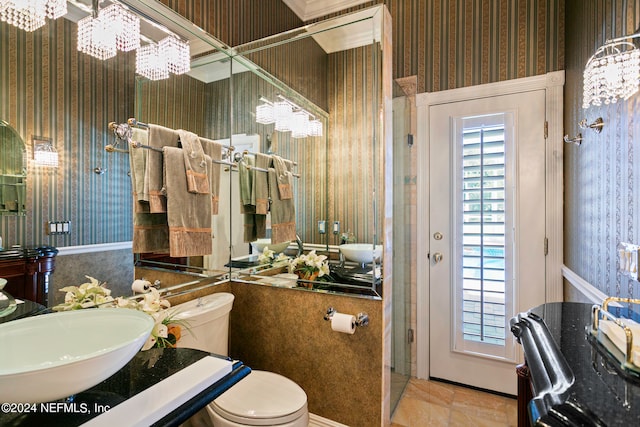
[(262, 398)]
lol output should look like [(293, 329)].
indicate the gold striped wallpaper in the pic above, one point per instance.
[(49, 89), (445, 43), (602, 175)]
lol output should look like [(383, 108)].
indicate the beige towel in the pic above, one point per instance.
[(283, 213), (284, 177), (194, 163), (159, 137), (214, 150), (137, 165), (188, 214), (260, 194)]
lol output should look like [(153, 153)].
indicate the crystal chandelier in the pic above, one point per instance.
[(29, 15), (107, 31), (613, 72), (288, 116), (170, 55)]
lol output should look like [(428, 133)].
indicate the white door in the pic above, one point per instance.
[(487, 224)]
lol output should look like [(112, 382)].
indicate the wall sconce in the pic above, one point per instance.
[(612, 72), (44, 153), (29, 15)]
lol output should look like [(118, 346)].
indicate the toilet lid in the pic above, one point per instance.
[(262, 397)]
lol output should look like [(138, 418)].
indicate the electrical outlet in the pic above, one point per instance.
[(322, 227)]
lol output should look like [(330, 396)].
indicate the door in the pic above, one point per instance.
[(487, 243)]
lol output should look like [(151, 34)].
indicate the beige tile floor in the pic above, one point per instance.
[(434, 404)]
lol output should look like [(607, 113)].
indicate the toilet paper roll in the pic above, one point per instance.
[(141, 286), (345, 323)]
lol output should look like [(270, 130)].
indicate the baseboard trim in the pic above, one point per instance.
[(85, 249), (318, 421)]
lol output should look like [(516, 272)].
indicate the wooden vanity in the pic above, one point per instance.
[(27, 271)]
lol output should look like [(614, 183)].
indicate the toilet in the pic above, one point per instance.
[(261, 398)]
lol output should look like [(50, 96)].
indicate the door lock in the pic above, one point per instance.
[(437, 257), (437, 235)]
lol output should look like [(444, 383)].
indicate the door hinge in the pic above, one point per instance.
[(410, 335), (546, 246), (546, 129)]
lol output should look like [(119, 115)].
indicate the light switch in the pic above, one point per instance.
[(322, 227), (336, 227)]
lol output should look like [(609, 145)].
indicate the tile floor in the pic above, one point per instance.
[(434, 404)]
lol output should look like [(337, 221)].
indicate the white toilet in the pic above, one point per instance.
[(261, 398)]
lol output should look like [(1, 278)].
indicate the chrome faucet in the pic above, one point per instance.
[(299, 243)]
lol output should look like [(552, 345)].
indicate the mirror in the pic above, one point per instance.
[(338, 176), (13, 171)]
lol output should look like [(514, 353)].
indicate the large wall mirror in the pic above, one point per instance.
[(330, 71), (13, 172)]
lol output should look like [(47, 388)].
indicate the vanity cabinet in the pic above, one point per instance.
[(28, 272)]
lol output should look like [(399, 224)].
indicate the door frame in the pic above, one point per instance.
[(553, 84)]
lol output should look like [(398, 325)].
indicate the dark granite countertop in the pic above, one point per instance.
[(123, 398), (25, 309), (576, 382)]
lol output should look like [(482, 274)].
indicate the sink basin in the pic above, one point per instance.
[(53, 356), (364, 253), (260, 244)]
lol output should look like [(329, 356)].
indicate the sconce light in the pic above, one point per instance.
[(29, 15), (170, 55), (288, 116), (612, 72), (44, 153)]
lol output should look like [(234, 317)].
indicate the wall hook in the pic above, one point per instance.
[(596, 126), (576, 139)]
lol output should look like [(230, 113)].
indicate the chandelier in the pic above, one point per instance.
[(288, 117), (114, 28), (612, 73), (29, 15), (108, 30)]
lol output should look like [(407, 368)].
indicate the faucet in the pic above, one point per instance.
[(299, 243)]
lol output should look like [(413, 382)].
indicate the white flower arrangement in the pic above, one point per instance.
[(268, 257), (309, 266), (166, 331)]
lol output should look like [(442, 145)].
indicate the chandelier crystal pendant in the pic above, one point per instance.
[(177, 54), (315, 127), (29, 15), (282, 111), (300, 124), (151, 63), (265, 114), (612, 73)]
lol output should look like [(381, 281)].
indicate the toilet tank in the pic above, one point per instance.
[(206, 323)]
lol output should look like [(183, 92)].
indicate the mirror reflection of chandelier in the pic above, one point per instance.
[(29, 15), (288, 117), (612, 73)]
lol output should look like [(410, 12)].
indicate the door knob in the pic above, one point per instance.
[(437, 257)]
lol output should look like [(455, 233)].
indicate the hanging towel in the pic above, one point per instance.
[(245, 177), (137, 165), (285, 188), (159, 137), (194, 163), (214, 150), (150, 230), (283, 213), (188, 214), (260, 195)]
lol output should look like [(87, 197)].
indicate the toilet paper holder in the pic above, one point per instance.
[(362, 319)]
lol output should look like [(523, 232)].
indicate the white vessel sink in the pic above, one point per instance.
[(364, 253), (260, 244), (53, 356)]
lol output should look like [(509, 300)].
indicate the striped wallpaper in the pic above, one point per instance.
[(48, 89), (445, 43), (601, 176)]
